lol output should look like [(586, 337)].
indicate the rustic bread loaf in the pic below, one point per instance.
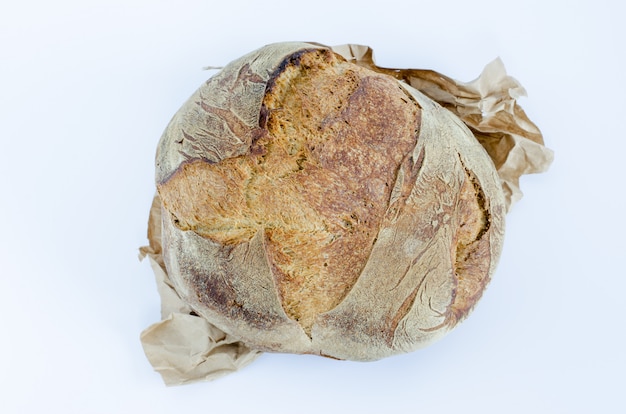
[(311, 205)]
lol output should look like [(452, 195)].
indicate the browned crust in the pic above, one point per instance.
[(359, 126), (317, 182), (473, 247)]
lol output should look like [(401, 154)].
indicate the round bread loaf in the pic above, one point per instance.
[(311, 205)]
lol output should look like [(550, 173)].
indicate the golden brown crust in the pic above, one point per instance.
[(357, 126), (314, 206), (316, 182)]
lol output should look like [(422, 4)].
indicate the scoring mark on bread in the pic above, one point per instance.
[(473, 254), (316, 181)]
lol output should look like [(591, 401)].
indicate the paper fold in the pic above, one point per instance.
[(184, 347)]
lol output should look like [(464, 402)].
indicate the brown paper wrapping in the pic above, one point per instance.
[(184, 347)]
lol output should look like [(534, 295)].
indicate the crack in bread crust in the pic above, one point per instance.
[(317, 183), (472, 254)]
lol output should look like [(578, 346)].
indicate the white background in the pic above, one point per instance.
[(87, 87)]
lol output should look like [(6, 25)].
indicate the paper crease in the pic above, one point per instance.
[(184, 347)]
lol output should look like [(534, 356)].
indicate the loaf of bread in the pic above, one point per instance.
[(314, 206)]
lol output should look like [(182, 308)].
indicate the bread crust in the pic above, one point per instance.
[(314, 206)]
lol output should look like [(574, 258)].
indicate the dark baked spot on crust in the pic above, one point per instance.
[(473, 247), (213, 292), (293, 60)]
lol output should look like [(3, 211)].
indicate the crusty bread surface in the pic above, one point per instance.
[(332, 167), (317, 184)]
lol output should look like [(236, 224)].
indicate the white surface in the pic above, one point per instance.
[(87, 87)]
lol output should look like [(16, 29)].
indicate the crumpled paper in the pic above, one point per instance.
[(184, 347)]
